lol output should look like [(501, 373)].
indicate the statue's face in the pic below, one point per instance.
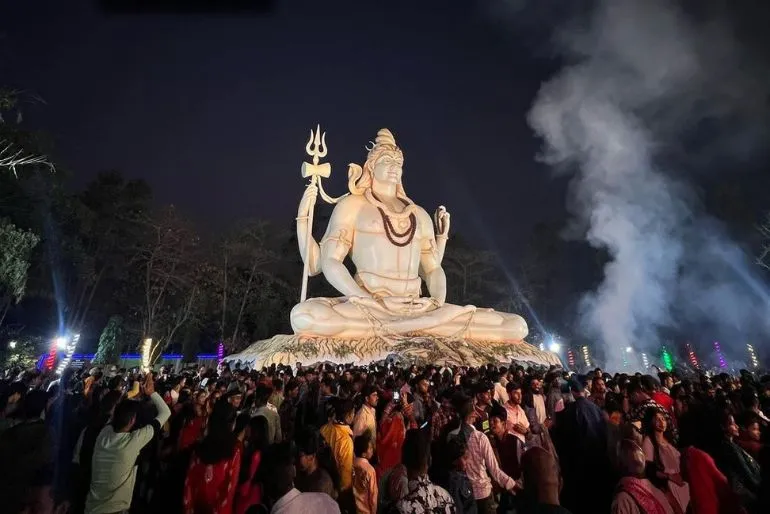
[(388, 168)]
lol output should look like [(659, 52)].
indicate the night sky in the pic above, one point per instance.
[(214, 110)]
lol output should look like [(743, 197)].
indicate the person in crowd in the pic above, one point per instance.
[(540, 473), (249, 490), (214, 470), (84, 448), (664, 461), (280, 494), (740, 468), (750, 434), (287, 412), (480, 460), (517, 422), (339, 436), (423, 497), (444, 415), (364, 476), (710, 492), (316, 469), (635, 494), (424, 404), (579, 436), (397, 417), (117, 447), (482, 405), (366, 417), (263, 408)]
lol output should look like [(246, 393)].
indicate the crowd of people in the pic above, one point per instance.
[(383, 438)]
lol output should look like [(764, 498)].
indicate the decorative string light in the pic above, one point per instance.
[(571, 358), (146, 348), (542, 347), (72, 344), (51, 358), (691, 356), (668, 361), (586, 357), (753, 355), (645, 361), (220, 352), (718, 349)]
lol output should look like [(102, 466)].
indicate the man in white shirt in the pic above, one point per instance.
[(117, 447)]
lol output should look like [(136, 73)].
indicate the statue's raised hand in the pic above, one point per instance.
[(441, 220), (307, 202)]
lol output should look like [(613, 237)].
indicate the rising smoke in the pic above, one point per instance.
[(641, 78)]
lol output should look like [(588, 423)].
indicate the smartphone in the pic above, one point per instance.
[(396, 396), (423, 425)]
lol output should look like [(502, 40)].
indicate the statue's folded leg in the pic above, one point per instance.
[(484, 324), (330, 317)]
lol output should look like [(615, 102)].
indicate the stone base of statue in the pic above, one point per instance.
[(420, 349)]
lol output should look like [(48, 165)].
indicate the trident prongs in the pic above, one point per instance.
[(316, 145)]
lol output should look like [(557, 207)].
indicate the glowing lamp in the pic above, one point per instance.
[(718, 349), (220, 352), (146, 348), (645, 361), (753, 356), (12, 345), (554, 347), (668, 361), (571, 358), (61, 342), (629, 349), (586, 357)]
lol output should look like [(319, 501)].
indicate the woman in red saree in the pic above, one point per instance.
[(212, 476), (710, 492), (249, 490), (391, 432)]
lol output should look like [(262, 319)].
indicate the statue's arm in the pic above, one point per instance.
[(308, 250), (430, 265), (335, 246)]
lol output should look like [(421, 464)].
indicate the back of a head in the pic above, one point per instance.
[(34, 404), (415, 454), (125, 412), (277, 470), (540, 471)]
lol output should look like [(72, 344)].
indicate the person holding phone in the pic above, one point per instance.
[(397, 417)]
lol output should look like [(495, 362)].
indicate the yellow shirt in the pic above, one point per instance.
[(340, 440)]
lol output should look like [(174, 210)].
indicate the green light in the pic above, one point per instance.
[(668, 362)]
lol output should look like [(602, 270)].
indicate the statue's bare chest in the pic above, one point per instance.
[(371, 221)]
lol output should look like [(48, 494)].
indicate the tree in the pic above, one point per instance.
[(104, 227), (110, 342), (243, 282), (471, 274), (169, 272), (17, 246), (13, 155)]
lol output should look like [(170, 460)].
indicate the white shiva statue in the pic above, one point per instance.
[(394, 247)]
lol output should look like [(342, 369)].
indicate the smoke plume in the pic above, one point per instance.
[(645, 89)]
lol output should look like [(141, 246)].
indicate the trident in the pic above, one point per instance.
[(315, 148)]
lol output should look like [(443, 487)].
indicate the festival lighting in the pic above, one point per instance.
[(586, 358), (146, 348), (12, 345), (554, 347), (571, 358), (691, 356), (718, 349), (220, 352), (71, 345), (542, 347), (61, 342), (668, 361), (50, 359), (629, 349), (645, 361), (753, 356)]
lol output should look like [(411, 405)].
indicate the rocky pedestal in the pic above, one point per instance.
[(290, 349)]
